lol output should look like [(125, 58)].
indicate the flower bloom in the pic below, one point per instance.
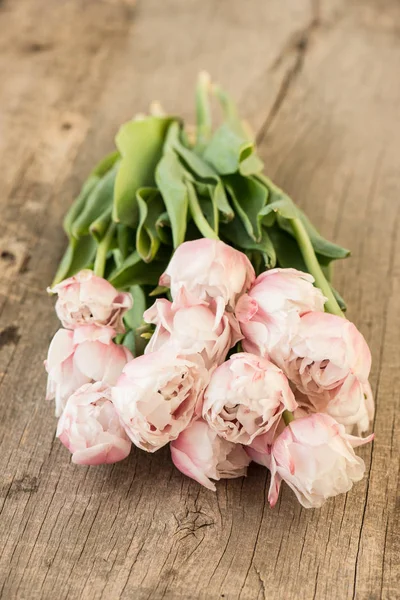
[(314, 455), (325, 351), (269, 314), (158, 395), (86, 299), (209, 270), (191, 329), (246, 398), (90, 428), (352, 405), (201, 454), (84, 355)]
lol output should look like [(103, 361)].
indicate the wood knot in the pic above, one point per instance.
[(14, 256), (191, 522), (25, 485), (8, 256), (36, 47), (9, 335)]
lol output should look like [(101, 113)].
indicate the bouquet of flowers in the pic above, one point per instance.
[(197, 310)]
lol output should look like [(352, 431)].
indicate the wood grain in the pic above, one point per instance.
[(319, 83)]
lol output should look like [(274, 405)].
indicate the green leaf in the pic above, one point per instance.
[(126, 240), (151, 207), (158, 291), (134, 271), (79, 204), (78, 255), (106, 164), (99, 200), (285, 209), (226, 150), (259, 260), (163, 227), (83, 255), (99, 227), (289, 256), (129, 341), (194, 162), (339, 299), (64, 264), (326, 250), (249, 198), (210, 211), (133, 318), (140, 143), (232, 115), (170, 181), (287, 250), (198, 217), (172, 136), (202, 189), (118, 259), (230, 111), (88, 187), (202, 170), (134, 341), (251, 165), (327, 271), (236, 234), (220, 199), (321, 245)]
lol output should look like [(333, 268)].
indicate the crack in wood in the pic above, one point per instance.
[(297, 45)]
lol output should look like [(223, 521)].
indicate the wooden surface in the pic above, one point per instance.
[(320, 84)]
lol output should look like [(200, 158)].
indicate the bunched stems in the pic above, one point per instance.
[(102, 250), (314, 267)]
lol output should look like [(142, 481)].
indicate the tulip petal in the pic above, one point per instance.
[(187, 467)]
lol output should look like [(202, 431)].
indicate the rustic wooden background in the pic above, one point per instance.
[(320, 83)]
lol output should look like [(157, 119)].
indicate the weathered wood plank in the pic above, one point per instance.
[(319, 84)]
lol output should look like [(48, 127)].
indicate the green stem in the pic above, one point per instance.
[(227, 104), (203, 111), (198, 217), (102, 249), (307, 251), (314, 267), (288, 416)]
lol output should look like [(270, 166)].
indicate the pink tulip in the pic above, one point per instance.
[(201, 454), (270, 313), (209, 270), (90, 428), (84, 355), (314, 455), (86, 299), (191, 329), (325, 351), (246, 398), (158, 395), (352, 404)]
